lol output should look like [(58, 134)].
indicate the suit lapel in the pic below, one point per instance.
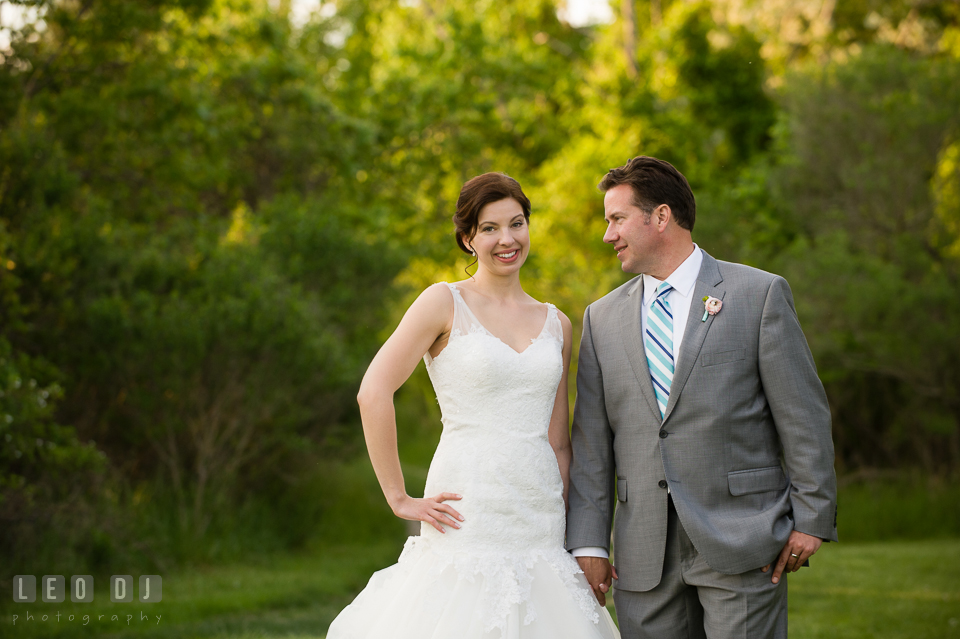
[(632, 332), (696, 329)]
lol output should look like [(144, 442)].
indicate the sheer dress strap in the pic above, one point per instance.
[(462, 318), (553, 327), (464, 321)]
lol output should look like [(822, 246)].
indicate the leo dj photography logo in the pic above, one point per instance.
[(53, 590)]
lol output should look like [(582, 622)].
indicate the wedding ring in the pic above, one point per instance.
[(793, 555)]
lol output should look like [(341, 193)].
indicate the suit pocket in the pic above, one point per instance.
[(722, 357), (757, 480), (621, 489)]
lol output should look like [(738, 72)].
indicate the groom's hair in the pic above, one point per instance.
[(476, 194), (655, 182)]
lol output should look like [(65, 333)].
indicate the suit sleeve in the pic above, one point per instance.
[(592, 471), (801, 413)]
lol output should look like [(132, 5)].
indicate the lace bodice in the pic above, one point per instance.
[(484, 385), (466, 323), (496, 406)]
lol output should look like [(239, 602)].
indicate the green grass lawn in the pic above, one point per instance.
[(908, 590), (289, 596), (895, 590)]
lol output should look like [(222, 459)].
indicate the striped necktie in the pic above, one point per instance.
[(658, 342)]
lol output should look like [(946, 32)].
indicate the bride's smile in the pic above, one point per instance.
[(502, 234)]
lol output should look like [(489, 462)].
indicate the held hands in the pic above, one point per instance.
[(799, 547), (598, 572), (431, 510)]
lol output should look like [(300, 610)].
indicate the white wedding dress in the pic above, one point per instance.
[(505, 573)]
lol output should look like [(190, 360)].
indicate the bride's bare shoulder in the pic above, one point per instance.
[(434, 300)]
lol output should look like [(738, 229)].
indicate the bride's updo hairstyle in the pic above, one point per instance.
[(476, 194)]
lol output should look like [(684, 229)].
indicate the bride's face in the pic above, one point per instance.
[(502, 241)]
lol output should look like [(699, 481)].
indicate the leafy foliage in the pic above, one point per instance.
[(868, 191), (187, 257)]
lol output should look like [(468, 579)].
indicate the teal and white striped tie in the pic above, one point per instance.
[(659, 345)]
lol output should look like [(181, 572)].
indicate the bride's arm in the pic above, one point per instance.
[(560, 420), (427, 319)]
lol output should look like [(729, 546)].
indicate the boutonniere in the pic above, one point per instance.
[(711, 306)]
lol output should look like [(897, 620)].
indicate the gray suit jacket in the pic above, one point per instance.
[(745, 445)]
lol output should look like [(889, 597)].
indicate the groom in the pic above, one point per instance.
[(700, 413)]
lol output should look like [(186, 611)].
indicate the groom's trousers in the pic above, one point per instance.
[(693, 601)]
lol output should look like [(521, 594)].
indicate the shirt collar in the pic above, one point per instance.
[(682, 279)]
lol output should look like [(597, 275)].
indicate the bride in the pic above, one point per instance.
[(489, 562)]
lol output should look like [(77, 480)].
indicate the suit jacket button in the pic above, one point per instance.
[(663, 434), (662, 483)]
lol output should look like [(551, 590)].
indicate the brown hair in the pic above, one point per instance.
[(476, 194), (655, 182)]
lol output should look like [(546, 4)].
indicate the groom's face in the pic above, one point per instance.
[(629, 230)]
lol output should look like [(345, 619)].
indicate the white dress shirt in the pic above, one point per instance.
[(680, 299)]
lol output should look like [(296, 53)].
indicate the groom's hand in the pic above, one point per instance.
[(599, 573), (799, 547)]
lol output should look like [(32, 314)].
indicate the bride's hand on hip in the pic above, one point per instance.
[(430, 510)]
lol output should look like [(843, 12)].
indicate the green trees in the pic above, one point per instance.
[(185, 252), (866, 191)]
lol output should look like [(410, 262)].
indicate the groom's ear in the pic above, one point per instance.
[(662, 216)]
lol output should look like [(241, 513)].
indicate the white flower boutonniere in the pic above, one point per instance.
[(711, 306)]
